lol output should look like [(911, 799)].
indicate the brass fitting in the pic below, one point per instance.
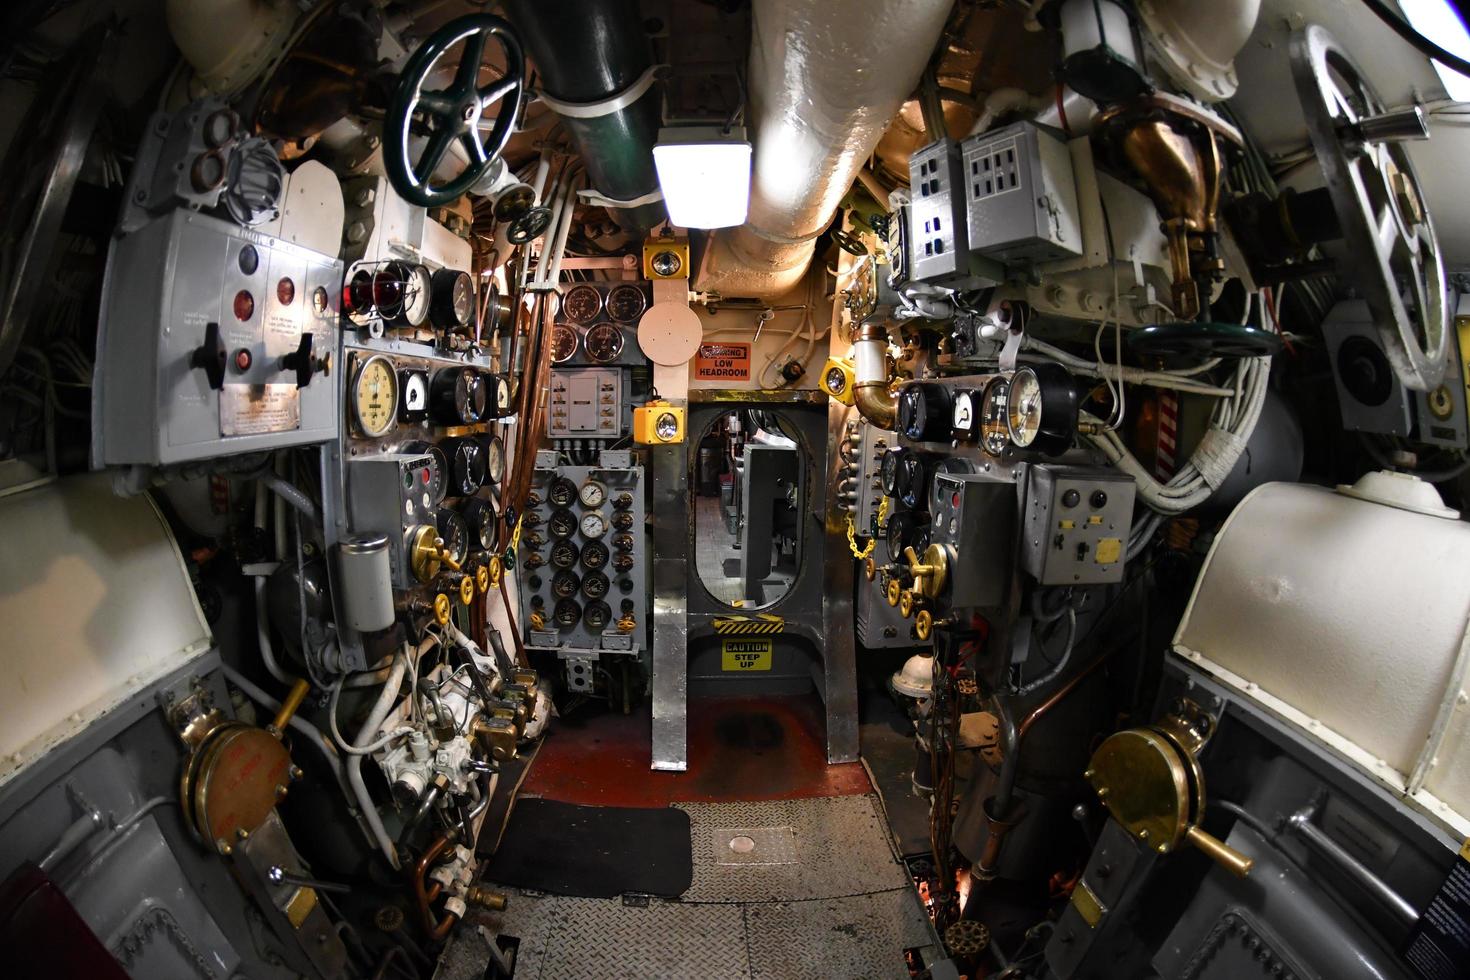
[(484, 898)]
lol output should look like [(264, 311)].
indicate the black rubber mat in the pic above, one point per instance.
[(594, 851)]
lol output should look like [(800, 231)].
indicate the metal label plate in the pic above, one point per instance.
[(247, 410)]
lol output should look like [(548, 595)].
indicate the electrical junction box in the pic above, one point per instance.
[(974, 516), (1076, 525), (201, 319), (1020, 195), (938, 241), (1369, 395), (388, 494), (586, 402)]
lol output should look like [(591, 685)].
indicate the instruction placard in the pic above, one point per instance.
[(1439, 948), (722, 362)]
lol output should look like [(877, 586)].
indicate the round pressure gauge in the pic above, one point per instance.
[(924, 411), (912, 482), (479, 517), (565, 584), (594, 555), (452, 306), (375, 396), (592, 494), (414, 309), (1041, 408), (594, 525), (902, 532), (466, 466), (438, 484), (888, 469), (597, 615), (604, 342), (413, 397), (455, 532), (564, 554), (965, 416), (494, 460), (995, 435), (562, 492), (458, 396), (594, 585), (562, 523), (582, 304), (563, 343), (626, 303), (567, 613)]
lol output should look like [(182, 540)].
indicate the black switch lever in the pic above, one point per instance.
[(303, 363), (210, 357)]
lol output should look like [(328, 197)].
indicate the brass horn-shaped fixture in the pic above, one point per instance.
[(1177, 149)]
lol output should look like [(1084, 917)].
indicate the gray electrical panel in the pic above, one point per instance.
[(879, 625), (584, 563), (213, 340), (1020, 195), (586, 402), (937, 236), (391, 494), (974, 515), (1077, 521)]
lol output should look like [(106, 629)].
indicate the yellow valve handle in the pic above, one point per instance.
[(924, 624), (906, 604), (538, 620), (496, 571), (627, 624), (870, 569), (298, 693), (441, 609), (482, 578), (466, 590), (894, 591)]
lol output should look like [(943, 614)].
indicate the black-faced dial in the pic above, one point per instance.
[(452, 306), (622, 562), (594, 555), (626, 303), (924, 411), (562, 492), (458, 396), (622, 542), (888, 469), (564, 554), (567, 613), (903, 531), (565, 584), (594, 585), (582, 304), (562, 523), (597, 615), (413, 396), (438, 482), (466, 466), (563, 343), (479, 517), (912, 483), (622, 520), (454, 531), (623, 501), (604, 342)]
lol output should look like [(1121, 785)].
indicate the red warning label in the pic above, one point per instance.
[(722, 362)]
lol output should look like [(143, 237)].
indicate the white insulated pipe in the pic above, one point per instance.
[(826, 78)]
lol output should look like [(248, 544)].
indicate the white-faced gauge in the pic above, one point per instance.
[(454, 531), (413, 396), (452, 305), (995, 436), (592, 494), (965, 421), (494, 460), (594, 525), (414, 309), (375, 397), (1041, 408)]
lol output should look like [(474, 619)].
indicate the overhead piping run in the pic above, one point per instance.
[(597, 72), (825, 81)]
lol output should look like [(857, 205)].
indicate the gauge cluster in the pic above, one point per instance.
[(597, 325), (584, 568)]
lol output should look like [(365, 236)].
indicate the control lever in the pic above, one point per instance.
[(303, 363), (210, 357), (278, 875)]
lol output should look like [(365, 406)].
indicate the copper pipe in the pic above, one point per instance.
[(437, 931)]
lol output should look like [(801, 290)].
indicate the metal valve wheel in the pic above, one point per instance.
[(455, 114), (1387, 230)]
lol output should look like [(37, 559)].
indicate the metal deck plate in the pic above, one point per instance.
[(842, 907)]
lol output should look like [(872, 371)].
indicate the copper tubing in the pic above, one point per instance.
[(298, 693), (437, 931)]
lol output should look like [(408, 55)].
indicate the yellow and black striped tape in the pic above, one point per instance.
[(761, 625)]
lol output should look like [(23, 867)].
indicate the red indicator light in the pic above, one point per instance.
[(424, 475), (285, 291), (244, 305)]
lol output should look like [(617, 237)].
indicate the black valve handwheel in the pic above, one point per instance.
[(529, 226), (454, 113)]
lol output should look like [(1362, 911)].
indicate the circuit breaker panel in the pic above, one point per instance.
[(880, 625), (584, 576)]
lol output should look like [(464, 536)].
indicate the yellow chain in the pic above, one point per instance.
[(873, 542), (515, 536)]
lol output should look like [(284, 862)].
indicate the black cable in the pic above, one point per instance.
[(1421, 43)]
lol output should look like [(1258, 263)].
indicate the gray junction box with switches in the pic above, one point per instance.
[(1076, 525)]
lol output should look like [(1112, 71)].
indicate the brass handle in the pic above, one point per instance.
[(1231, 859), (298, 693)]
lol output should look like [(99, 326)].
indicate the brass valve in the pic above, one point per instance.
[(538, 620), (924, 624), (482, 578), (908, 603), (496, 571), (426, 552), (466, 589), (870, 568), (895, 591), (484, 898), (931, 573), (442, 609)]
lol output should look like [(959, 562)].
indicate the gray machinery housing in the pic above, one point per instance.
[(1020, 195)]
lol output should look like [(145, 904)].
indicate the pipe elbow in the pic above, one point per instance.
[(876, 403), (872, 395)]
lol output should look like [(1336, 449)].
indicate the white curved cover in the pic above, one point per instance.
[(1348, 619), (95, 603)]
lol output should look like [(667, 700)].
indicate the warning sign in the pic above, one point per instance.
[(740, 655), (722, 362)]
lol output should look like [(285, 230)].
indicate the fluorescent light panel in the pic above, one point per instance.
[(1438, 20), (704, 173)]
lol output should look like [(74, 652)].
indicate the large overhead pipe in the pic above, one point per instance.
[(596, 68), (825, 81)]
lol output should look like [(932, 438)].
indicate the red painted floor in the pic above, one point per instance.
[(739, 749)]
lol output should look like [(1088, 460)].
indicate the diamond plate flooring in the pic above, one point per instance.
[(843, 909)]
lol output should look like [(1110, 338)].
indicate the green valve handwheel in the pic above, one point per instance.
[(1203, 339), (455, 114)]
